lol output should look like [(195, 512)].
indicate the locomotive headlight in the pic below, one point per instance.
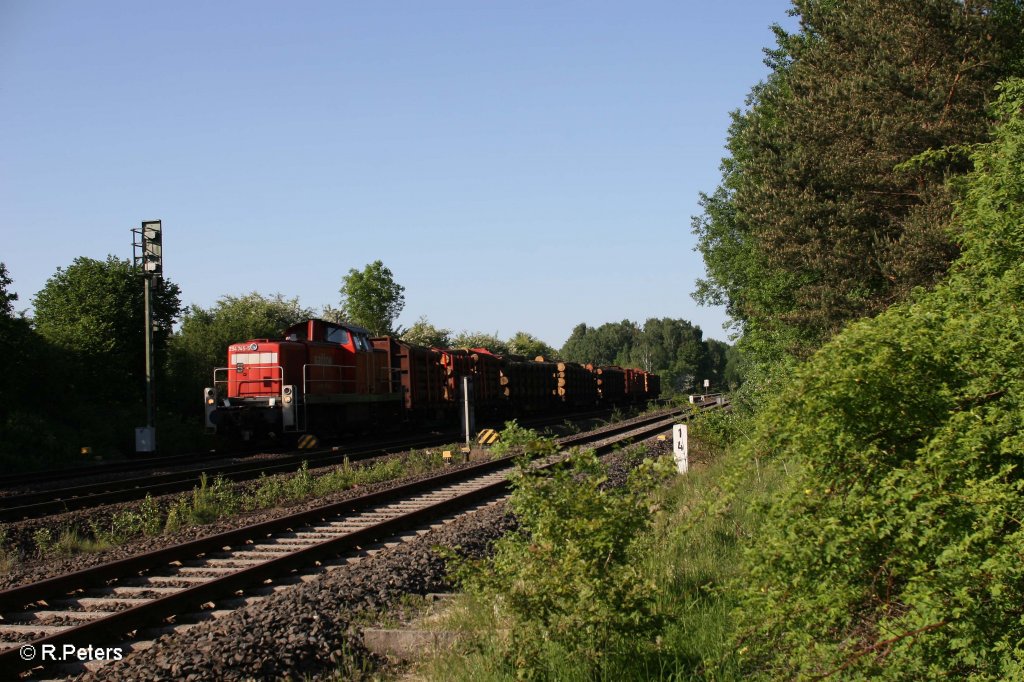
[(287, 400)]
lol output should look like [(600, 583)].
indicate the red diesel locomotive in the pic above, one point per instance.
[(326, 378)]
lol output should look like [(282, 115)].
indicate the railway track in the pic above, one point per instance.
[(144, 464), (172, 587), (40, 503), (48, 501)]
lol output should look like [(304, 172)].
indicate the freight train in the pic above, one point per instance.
[(328, 378)]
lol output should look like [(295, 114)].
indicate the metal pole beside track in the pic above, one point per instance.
[(150, 389), (468, 425), (149, 257)]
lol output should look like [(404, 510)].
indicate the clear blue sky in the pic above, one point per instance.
[(518, 165)]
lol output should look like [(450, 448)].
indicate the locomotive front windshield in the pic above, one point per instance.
[(337, 335)]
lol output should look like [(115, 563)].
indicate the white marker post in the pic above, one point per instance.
[(681, 448)]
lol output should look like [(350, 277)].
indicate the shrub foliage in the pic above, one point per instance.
[(896, 549), (567, 581)]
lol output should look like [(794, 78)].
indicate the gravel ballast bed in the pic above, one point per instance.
[(312, 629), (309, 629), (33, 570), (19, 535)]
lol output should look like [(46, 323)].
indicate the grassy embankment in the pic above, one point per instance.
[(648, 602), (890, 472)]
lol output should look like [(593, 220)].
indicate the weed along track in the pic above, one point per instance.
[(126, 482), (141, 597), (46, 502)]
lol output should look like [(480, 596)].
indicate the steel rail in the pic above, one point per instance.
[(186, 599), (119, 622), (40, 503), (46, 502), (149, 463), (156, 463)]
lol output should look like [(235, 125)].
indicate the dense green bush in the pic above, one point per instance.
[(515, 437), (896, 548), (568, 583)]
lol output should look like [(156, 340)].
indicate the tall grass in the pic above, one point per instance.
[(216, 499), (689, 556)]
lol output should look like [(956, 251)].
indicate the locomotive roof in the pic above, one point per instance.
[(347, 325)]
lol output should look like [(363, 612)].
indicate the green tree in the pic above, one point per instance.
[(893, 551), (605, 345), (93, 312), (7, 298), (578, 347), (200, 345), (529, 346), (77, 378), (422, 333), (672, 348), (481, 340), (819, 220), (732, 374), (371, 298), (713, 362), (26, 364)]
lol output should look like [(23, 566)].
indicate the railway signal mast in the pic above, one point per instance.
[(147, 249)]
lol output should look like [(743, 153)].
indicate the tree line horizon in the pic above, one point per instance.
[(76, 375)]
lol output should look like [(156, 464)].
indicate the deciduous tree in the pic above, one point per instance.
[(480, 340), (422, 333), (819, 219), (371, 298), (605, 345), (529, 346), (673, 348), (892, 549), (7, 298), (25, 371), (201, 343), (93, 312)]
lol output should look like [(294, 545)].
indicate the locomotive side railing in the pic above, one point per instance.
[(341, 381), (222, 379)]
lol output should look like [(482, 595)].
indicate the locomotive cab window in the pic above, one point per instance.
[(298, 332), (362, 343), (337, 335)]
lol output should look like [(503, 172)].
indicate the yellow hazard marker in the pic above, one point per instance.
[(307, 442), (487, 437), (447, 456)]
